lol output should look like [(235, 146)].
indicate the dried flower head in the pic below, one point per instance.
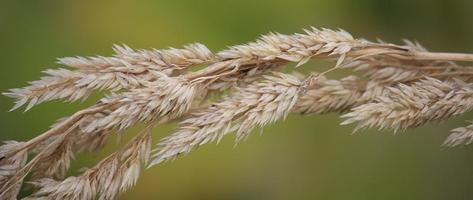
[(237, 90)]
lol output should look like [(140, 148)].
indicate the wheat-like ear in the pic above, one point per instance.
[(50, 144), (114, 175), (401, 86), (407, 106), (255, 105), (126, 70), (460, 136), (9, 166), (325, 95), (167, 97)]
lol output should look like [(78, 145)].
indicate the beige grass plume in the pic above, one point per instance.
[(254, 105), (238, 89)]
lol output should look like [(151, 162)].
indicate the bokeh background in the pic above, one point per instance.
[(309, 157)]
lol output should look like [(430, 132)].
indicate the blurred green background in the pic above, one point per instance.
[(309, 157)]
